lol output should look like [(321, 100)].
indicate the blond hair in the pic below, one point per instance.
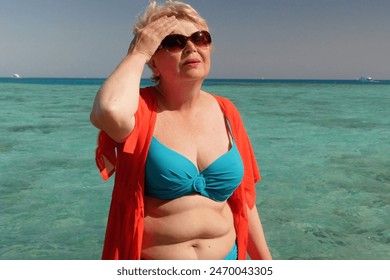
[(178, 9), (171, 8)]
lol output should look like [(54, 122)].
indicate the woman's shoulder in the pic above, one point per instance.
[(147, 92), (147, 97), (219, 98), (225, 103)]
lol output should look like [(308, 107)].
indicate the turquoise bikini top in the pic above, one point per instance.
[(170, 175)]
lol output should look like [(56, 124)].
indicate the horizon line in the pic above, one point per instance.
[(210, 78)]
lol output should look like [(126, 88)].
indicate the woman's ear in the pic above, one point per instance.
[(153, 66)]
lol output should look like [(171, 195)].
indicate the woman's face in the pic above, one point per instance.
[(191, 63)]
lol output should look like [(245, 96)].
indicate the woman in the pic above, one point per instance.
[(185, 169)]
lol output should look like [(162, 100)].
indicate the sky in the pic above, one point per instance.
[(271, 39)]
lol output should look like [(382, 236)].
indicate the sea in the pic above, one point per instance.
[(323, 147)]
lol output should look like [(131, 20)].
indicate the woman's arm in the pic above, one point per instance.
[(257, 244), (116, 102)]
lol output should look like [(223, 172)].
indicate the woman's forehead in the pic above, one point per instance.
[(185, 27)]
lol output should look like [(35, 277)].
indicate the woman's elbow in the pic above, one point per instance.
[(118, 128), (99, 116), (93, 119)]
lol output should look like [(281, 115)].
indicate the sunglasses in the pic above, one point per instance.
[(177, 42)]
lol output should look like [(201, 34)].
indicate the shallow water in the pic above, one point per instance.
[(323, 150)]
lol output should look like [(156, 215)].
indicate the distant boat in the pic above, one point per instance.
[(366, 79), (16, 76)]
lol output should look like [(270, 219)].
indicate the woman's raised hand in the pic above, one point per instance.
[(149, 38)]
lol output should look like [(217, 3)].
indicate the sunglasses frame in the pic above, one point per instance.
[(205, 43)]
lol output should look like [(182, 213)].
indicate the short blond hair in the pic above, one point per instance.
[(178, 9), (171, 8)]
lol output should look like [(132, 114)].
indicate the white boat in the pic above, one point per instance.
[(366, 79), (16, 76)]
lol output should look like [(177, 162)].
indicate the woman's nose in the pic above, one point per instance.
[(190, 47)]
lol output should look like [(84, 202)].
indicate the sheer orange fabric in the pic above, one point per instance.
[(125, 225)]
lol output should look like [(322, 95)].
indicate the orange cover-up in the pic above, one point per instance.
[(125, 225)]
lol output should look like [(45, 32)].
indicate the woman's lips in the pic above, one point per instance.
[(192, 62)]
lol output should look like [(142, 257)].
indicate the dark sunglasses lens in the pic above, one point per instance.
[(174, 42), (201, 38)]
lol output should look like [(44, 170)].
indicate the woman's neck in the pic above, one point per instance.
[(178, 96)]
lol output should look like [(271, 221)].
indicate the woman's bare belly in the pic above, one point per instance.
[(190, 227)]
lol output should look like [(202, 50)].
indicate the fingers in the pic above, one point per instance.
[(148, 39), (164, 26)]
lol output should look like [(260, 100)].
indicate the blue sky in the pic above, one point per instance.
[(292, 39)]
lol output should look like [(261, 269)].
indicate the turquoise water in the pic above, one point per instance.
[(323, 148)]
